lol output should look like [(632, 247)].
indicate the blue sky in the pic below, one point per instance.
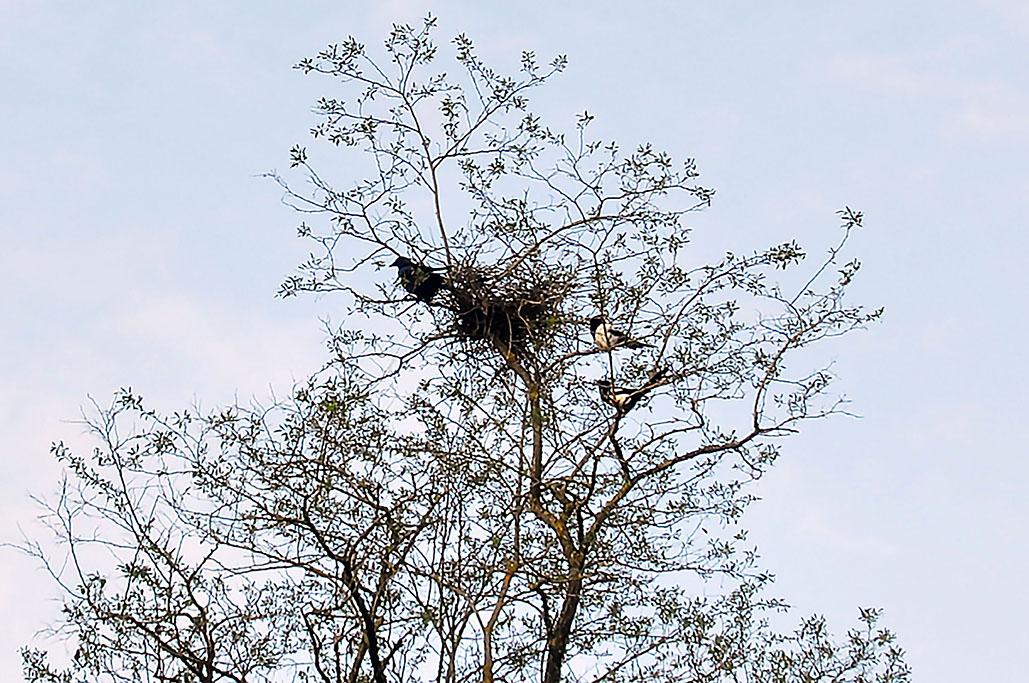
[(140, 249)]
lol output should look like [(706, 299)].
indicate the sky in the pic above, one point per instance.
[(140, 248)]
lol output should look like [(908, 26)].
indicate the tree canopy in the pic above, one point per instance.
[(473, 487)]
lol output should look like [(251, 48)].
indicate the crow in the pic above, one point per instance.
[(608, 338), (625, 399), (418, 279)]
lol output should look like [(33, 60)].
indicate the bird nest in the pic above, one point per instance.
[(516, 308)]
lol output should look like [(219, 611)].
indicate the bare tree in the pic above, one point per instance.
[(480, 484)]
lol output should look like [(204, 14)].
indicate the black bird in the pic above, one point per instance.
[(625, 399), (608, 338), (417, 279)]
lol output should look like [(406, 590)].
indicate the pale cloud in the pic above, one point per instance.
[(11, 10), (388, 12), (1015, 13), (73, 173), (224, 345), (999, 124), (987, 109), (886, 75)]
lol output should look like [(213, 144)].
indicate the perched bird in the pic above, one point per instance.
[(417, 279), (625, 399), (608, 338)]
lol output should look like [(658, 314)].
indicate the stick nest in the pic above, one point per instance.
[(518, 307)]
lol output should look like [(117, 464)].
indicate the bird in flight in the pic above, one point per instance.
[(625, 399), (608, 338), (417, 279)]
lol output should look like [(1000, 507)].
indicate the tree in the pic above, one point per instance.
[(471, 489)]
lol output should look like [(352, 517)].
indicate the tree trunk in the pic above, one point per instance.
[(557, 641)]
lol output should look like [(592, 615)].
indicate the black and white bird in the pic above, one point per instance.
[(417, 279), (625, 399), (608, 338)]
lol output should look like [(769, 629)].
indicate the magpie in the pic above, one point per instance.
[(608, 338), (625, 399), (417, 279)]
